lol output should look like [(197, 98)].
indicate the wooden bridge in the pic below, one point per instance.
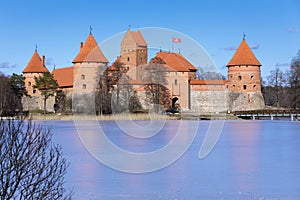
[(294, 115)]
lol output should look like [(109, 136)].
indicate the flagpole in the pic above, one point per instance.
[(172, 45)]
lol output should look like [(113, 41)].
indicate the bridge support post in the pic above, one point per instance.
[(292, 117), (272, 117), (253, 117)]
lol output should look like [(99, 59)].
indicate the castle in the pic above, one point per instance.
[(241, 91)]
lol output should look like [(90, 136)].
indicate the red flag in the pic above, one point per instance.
[(176, 40)]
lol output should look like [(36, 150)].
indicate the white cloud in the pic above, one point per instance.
[(293, 30), (7, 65)]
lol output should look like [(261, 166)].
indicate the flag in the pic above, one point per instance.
[(176, 40)]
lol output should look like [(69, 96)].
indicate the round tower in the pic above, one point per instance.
[(244, 80), (34, 68), (88, 65), (244, 70)]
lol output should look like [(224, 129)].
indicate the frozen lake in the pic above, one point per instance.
[(251, 160)]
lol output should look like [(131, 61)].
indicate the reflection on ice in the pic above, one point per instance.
[(252, 159)]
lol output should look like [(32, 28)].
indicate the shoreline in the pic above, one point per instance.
[(132, 116)]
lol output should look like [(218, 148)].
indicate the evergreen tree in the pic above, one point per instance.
[(47, 85), (17, 83)]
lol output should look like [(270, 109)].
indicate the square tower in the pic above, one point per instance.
[(134, 51)]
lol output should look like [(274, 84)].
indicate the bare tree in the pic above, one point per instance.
[(5, 96), (11, 91), (209, 75), (63, 102), (154, 76), (276, 80), (121, 94), (294, 81), (31, 166)]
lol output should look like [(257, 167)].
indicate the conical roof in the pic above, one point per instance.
[(90, 52), (35, 65), (243, 56)]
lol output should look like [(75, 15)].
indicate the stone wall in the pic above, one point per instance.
[(224, 101), (209, 101), (37, 103), (240, 101)]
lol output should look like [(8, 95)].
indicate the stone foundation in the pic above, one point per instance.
[(209, 101), (224, 101), (240, 101), (37, 103)]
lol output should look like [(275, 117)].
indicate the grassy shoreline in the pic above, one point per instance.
[(125, 116), (133, 116)]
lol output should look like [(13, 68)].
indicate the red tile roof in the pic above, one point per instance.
[(138, 38), (113, 67), (64, 76), (35, 65), (90, 52), (243, 56), (175, 61), (208, 82)]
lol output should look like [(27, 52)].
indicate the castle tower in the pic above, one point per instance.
[(244, 70), (88, 65), (134, 51), (244, 80), (34, 68)]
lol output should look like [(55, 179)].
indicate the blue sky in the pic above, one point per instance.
[(272, 28)]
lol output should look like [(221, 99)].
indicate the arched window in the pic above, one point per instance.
[(240, 78), (252, 77), (254, 86), (128, 59), (29, 83), (245, 87), (84, 86), (33, 91), (175, 82), (82, 76)]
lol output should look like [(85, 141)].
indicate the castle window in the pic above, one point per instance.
[(82, 76), (233, 86), (33, 91), (175, 81), (252, 77), (254, 86), (245, 87), (84, 86), (128, 59), (240, 78), (29, 83)]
